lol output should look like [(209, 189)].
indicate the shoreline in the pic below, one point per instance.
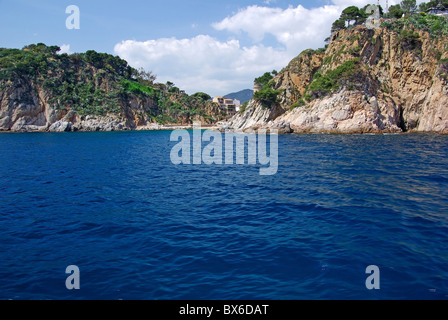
[(219, 129), (139, 129)]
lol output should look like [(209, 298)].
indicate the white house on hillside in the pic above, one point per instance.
[(226, 104)]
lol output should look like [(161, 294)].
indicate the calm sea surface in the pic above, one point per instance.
[(139, 227)]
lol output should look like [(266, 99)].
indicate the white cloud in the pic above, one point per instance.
[(65, 48), (295, 28), (202, 63), (215, 66)]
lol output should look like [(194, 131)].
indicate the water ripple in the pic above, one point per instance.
[(141, 228)]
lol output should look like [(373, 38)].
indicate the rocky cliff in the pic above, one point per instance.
[(41, 90), (387, 80)]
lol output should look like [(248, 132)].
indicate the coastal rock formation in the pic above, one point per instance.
[(256, 115), (41, 90), (388, 80)]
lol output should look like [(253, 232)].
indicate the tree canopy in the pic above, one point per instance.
[(433, 4), (264, 79), (201, 96), (338, 25), (352, 16), (42, 48), (395, 11), (408, 6)]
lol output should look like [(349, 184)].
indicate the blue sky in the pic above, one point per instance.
[(105, 23), (201, 45)]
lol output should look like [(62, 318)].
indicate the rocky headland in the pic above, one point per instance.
[(392, 79), (41, 90)]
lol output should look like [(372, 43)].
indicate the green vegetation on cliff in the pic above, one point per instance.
[(347, 61), (95, 83), (435, 25), (378, 78), (333, 79), (266, 95), (403, 19)]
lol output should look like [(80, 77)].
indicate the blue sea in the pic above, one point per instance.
[(139, 227)]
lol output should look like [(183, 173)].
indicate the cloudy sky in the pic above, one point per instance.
[(216, 47)]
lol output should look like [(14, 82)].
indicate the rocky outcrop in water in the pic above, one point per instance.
[(389, 80), (41, 90)]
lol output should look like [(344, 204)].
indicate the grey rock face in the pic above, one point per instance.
[(60, 126)]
